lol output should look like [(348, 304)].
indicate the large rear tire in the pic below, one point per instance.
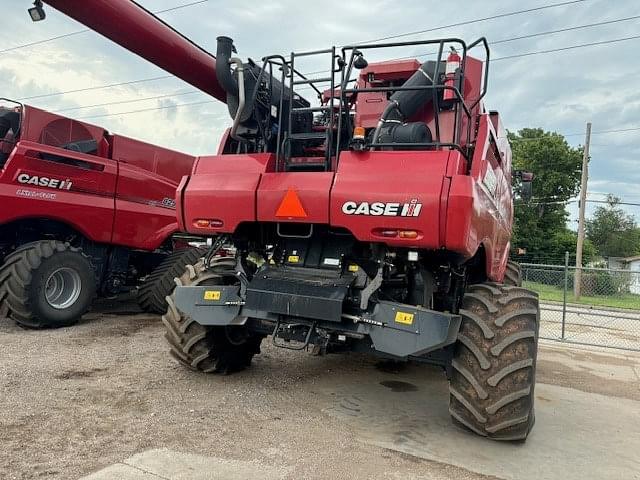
[(153, 292), (208, 349), (513, 274), (494, 366), (46, 284)]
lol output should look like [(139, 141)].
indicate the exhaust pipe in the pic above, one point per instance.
[(224, 51)]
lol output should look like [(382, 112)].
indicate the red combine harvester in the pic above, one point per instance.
[(84, 213), (375, 220)]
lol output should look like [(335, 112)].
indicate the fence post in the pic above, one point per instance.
[(566, 285)]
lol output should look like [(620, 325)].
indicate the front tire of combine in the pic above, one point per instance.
[(47, 284), (153, 292), (208, 349), (513, 274), (494, 366), (4, 308)]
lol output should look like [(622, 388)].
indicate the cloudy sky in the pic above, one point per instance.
[(558, 91)]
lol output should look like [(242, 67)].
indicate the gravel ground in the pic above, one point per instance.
[(75, 400)]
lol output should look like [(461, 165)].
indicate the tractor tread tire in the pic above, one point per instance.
[(160, 283), (493, 370), (16, 275), (513, 274), (204, 348)]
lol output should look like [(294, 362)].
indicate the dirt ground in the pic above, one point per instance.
[(75, 400)]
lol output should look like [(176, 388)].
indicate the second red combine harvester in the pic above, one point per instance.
[(85, 213), (375, 220)]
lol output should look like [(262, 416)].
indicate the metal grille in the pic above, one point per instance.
[(606, 311)]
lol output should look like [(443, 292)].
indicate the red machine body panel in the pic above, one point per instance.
[(122, 191), (312, 190), (147, 181), (451, 209), (88, 205), (480, 207), (373, 193), (223, 188)]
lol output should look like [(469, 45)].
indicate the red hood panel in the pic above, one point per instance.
[(223, 189), (408, 189), (371, 194)]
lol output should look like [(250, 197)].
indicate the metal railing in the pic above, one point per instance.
[(605, 314)]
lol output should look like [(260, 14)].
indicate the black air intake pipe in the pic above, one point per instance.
[(405, 103)]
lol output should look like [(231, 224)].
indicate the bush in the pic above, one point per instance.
[(602, 283), (550, 277)]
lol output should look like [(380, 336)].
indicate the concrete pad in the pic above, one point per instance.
[(171, 465), (577, 435)]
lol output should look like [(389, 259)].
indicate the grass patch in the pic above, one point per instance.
[(555, 294)]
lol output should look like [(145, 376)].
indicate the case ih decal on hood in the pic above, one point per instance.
[(44, 181), (386, 209)]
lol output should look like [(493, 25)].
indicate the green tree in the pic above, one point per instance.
[(612, 231), (540, 224), (566, 240)]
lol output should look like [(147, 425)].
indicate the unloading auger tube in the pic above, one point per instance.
[(133, 27)]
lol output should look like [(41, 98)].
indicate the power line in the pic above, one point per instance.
[(86, 89), (523, 37), (564, 202), (310, 73), (598, 132), (478, 20), (606, 194), (175, 94), (202, 1), (542, 34), (71, 34), (164, 107), (583, 45), (617, 203), (567, 29)]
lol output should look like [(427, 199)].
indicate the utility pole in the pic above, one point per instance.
[(577, 281)]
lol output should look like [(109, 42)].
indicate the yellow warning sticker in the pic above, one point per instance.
[(404, 317), (212, 295), (353, 268), (293, 259)]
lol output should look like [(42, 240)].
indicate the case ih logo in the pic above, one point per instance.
[(388, 209), (44, 181)]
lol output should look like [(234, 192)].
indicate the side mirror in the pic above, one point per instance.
[(37, 12), (360, 62), (526, 184)]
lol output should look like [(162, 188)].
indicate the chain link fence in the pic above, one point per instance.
[(590, 306)]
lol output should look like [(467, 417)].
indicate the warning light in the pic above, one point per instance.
[(207, 223), (291, 206), (408, 234), (358, 133), (393, 233)]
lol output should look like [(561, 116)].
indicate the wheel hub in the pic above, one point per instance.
[(63, 288)]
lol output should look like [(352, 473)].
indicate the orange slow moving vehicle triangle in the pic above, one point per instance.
[(291, 206)]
